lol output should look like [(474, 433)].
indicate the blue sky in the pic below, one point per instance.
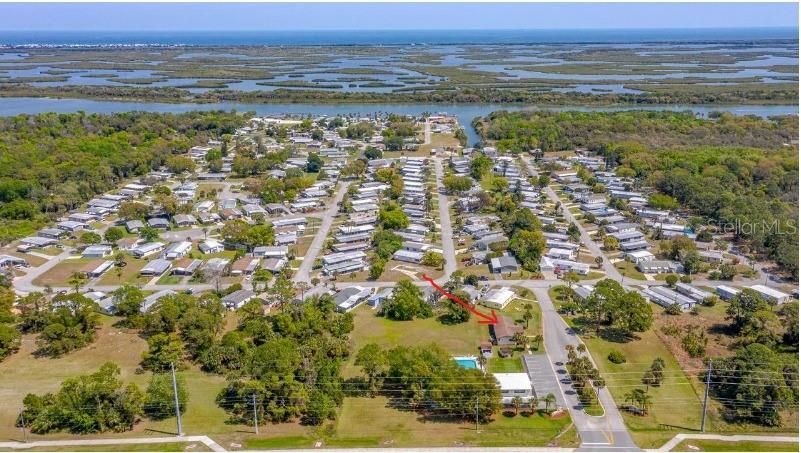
[(389, 16)]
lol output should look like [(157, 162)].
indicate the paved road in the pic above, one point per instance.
[(303, 273), (597, 433), (427, 133), (446, 230)]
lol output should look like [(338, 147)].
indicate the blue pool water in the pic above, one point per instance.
[(467, 363)]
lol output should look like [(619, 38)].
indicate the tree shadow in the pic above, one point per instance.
[(615, 335)]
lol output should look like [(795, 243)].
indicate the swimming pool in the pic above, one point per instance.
[(467, 362)]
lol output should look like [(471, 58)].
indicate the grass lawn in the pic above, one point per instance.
[(508, 365), (168, 279), (52, 251), (459, 339), (130, 273), (628, 269), (59, 274), (23, 373), (720, 445), (174, 446), (371, 422), (229, 254), (592, 275)]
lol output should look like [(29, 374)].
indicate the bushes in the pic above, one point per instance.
[(616, 357), (93, 403)]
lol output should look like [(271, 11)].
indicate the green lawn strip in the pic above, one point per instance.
[(721, 445), (592, 275), (628, 269), (279, 443), (172, 446), (373, 422), (168, 279), (505, 365)]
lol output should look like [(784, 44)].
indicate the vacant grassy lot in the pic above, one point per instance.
[(23, 373), (459, 339), (130, 273), (372, 422), (59, 274), (676, 405), (719, 445)]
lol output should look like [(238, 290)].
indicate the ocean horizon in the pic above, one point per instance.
[(392, 37)]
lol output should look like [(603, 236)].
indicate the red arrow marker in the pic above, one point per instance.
[(485, 319)]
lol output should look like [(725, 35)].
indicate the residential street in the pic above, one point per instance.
[(446, 230), (303, 273)]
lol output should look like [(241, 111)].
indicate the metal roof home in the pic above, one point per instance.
[(150, 248), (238, 298), (158, 222), (504, 264), (96, 251), (271, 251), (350, 297), (211, 246), (177, 250), (153, 298), (155, 267)]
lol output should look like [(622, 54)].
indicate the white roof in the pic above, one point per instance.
[(513, 381), (499, 295), (769, 291)]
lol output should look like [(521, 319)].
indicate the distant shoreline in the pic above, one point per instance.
[(354, 38)]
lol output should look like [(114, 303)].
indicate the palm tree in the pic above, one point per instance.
[(517, 402), (482, 361), (571, 353), (532, 404), (598, 261), (646, 401), (527, 315), (520, 340), (581, 349), (303, 287), (550, 399), (538, 340), (631, 397), (77, 280)]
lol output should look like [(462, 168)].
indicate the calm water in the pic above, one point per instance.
[(464, 112), (390, 37)]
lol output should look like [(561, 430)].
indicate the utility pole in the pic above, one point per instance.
[(255, 414), (706, 394), (476, 414), (22, 420), (177, 405)]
